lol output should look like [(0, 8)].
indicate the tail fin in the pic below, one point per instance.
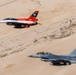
[(73, 52), (34, 14)]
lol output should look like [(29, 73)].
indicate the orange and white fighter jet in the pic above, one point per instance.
[(22, 22)]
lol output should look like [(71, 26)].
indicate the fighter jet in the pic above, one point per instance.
[(22, 22), (67, 59)]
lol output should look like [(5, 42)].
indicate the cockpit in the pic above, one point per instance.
[(10, 19), (43, 53)]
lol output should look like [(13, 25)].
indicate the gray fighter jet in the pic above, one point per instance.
[(56, 59)]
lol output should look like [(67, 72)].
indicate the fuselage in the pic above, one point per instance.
[(22, 22), (50, 57)]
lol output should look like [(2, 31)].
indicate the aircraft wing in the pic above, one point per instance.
[(16, 21), (55, 60)]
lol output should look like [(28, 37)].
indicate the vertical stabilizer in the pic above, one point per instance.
[(73, 52), (34, 14)]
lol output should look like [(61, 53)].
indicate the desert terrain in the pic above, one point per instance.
[(55, 33)]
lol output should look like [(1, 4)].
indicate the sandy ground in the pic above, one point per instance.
[(57, 34)]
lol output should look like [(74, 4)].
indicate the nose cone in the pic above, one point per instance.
[(35, 56), (30, 56)]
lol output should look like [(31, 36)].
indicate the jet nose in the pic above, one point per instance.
[(30, 56), (34, 56)]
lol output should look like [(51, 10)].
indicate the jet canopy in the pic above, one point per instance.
[(43, 53), (10, 19)]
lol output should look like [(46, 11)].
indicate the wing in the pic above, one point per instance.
[(55, 60), (59, 62)]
